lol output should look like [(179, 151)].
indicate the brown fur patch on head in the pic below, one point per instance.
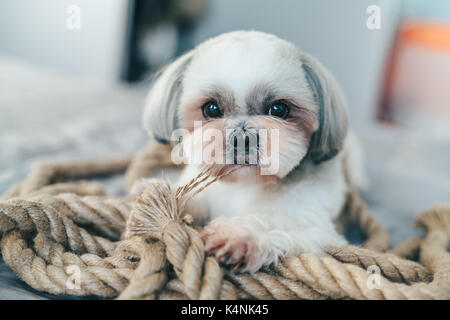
[(260, 97)]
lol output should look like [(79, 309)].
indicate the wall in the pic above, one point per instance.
[(36, 31), (333, 31)]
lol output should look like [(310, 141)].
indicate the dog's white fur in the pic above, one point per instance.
[(250, 222)]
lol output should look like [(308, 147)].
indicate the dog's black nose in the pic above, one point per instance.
[(235, 144), (246, 143)]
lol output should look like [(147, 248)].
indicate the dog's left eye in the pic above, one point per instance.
[(278, 110), (211, 110)]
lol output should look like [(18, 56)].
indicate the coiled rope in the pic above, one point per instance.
[(70, 238)]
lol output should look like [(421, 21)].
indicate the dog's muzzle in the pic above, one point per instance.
[(243, 146)]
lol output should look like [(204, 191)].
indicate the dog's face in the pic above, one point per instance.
[(251, 98)]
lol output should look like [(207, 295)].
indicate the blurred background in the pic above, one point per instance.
[(74, 74)]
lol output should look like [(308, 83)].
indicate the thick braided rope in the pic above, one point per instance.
[(392, 267), (377, 236), (81, 187), (357, 212), (174, 264), (408, 248), (60, 217), (434, 249), (47, 173), (154, 155), (60, 243), (306, 276), (48, 267)]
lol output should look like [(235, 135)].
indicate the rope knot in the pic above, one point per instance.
[(159, 204), (153, 211)]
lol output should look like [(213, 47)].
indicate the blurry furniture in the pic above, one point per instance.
[(117, 39), (159, 30)]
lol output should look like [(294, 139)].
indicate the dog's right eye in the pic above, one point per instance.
[(211, 110), (278, 109)]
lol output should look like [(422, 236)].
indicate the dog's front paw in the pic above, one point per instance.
[(232, 245)]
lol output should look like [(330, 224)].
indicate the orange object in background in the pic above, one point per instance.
[(417, 84), (431, 35)]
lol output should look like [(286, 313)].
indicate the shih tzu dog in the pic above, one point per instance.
[(253, 97)]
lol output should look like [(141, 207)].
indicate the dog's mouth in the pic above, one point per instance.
[(245, 169), (246, 173)]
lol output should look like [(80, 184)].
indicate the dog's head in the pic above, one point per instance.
[(248, 97)]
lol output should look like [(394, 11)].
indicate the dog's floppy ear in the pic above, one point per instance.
[(328, 139), (160, 113)]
